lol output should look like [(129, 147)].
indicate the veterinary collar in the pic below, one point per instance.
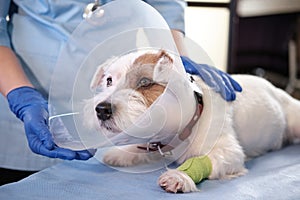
[(186, 132)]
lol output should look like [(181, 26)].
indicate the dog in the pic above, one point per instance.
[(263, 118)]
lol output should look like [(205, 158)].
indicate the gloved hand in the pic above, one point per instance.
[(30, 107), (220, 81)]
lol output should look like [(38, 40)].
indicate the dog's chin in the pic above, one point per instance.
[(109, 128)]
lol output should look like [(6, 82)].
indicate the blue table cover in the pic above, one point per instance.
[(275, 175)]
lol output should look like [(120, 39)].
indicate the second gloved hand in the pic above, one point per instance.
[(30, 107), (220, 81)]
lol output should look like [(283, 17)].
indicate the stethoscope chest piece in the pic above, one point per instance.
[(90, 8)]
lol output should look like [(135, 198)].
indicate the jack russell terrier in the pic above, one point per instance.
[(261, 119)]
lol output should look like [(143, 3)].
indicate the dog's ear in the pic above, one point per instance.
[(162, 67), (97, 78)]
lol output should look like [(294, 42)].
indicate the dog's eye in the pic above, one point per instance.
[(109, 81), (145, 82)]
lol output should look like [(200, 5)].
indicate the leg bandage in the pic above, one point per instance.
[(198, 168)]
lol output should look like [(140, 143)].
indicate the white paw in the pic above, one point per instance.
[(176, 181), (122, 158)]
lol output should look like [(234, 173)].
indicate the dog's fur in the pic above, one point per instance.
[(261, 119)]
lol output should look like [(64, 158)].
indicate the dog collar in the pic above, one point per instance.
[(186, 132)]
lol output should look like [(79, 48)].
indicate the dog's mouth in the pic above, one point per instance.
[(110, 126)]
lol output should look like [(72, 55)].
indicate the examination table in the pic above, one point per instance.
[(275, 175)]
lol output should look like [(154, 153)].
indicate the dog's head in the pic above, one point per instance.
[(127, 87)]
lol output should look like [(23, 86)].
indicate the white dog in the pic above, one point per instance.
[(261, 119)]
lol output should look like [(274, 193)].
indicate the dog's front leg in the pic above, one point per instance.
[(227, 158), (187, 175), (128, 156)]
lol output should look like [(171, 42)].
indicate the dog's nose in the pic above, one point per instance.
[(104, 111)]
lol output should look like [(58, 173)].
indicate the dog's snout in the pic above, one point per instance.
[(104, 111)]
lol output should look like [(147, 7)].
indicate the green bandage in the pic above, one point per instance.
[(198, 168)]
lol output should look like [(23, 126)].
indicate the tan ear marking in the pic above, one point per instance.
[(152, 58), (163, 54)]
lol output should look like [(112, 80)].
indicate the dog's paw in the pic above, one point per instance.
[(176, 181), (123, 158)]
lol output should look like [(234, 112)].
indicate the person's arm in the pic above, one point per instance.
[(30, 107), (26, 102), (179, 41), (11, 73), (219, 81)]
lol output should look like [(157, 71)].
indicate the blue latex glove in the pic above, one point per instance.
[(30, 107), (221, 82)]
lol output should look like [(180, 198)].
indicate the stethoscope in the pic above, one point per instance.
[(90, 8)]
